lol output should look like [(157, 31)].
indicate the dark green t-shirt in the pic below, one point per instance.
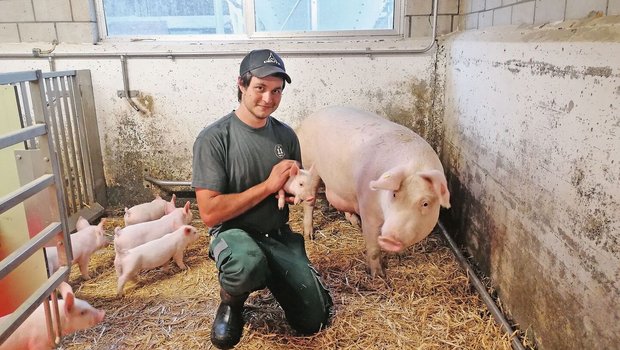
[(230, 157)]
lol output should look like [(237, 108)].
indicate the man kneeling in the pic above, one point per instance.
[(239, 164)]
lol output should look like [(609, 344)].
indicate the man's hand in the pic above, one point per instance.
[(279, 175)]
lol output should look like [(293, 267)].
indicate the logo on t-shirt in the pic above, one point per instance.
[(279, 151)]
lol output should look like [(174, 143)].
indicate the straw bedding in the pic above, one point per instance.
[(425, 302)]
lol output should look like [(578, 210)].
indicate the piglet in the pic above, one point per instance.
[(300, 184), (75, 314), (87, 240), (153, 254), (149, 211), (134, 235)]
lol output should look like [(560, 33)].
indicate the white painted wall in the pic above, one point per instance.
[(190, 93), (532, 147)]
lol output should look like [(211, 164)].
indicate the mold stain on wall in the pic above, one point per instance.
[(418, 114), (137, 147), (547, 69), (513, 256)]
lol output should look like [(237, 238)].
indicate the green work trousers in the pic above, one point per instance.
[(277, 260)]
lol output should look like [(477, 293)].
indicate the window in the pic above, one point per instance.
[(249, 18)]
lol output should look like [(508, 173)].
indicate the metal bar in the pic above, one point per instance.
[(54, 338), (78, 169), (21, 254), (85, 157), (12, 199), (488, 300), (194, 55), (48, 318), (59, 74), (126, 83), (167, 182), (27, 112), (72, 168), (52, 63), (15, 77), (12, 321), (434, 33), (21, 135)]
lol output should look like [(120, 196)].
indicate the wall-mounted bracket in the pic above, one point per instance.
[(132, 93)]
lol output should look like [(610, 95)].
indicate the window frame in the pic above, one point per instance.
[(252, 35)]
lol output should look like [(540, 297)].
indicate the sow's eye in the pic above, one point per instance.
[(424, 203)]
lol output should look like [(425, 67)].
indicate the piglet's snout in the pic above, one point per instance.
[(100, 316)]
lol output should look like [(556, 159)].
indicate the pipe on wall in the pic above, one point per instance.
[(126, 84), (475, 281)]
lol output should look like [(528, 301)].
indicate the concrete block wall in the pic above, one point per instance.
[(479, 14), (65, 21), (418, 19)]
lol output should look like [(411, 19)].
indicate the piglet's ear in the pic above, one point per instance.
[(186, 207), (439, 184), (294, 170), (390, 180), (69, 303), (81, 223), (187, 230), (64, 289)]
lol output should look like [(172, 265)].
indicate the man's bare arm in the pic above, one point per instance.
[(215, 207)]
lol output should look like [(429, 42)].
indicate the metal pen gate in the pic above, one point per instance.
[(62, 157)]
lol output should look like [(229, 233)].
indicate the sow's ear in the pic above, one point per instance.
[(390, 180), (439, 184)]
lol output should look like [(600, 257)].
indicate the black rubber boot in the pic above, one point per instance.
[(228, 324)]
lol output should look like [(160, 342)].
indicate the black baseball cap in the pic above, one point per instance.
[(262, 63)]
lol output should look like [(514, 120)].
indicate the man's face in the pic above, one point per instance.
[(262, 96)]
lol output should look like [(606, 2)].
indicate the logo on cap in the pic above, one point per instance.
[(271, 59)]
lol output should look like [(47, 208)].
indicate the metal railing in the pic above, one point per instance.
[(36, 136), (59, 129), (68, 99)]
